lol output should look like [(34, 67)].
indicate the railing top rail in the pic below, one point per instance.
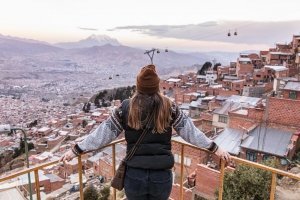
[(41, 166), (247, 162), (236, 159)]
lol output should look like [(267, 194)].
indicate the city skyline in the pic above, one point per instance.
[(192, 26)]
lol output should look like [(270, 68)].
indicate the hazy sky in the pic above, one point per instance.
[(194, 25)]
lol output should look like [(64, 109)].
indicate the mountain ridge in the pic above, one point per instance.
[(106, 54), (92, 40)]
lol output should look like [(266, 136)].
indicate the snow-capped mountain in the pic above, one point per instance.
[(93, 40)]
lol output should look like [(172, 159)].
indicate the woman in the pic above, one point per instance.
[(148, 174)]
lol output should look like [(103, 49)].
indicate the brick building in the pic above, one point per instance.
[(233, 83), (244, 68), (223, 92), (44, 131), (282, 112), (48, 182), (207, 182), (279, 58), (196, 108), (258, 142), (69, 168), (220, 115), (256, 60), (102, 162), (41, 158), (265, 142), (55, 183), (175, 193), (291, 91), (279, 84), (53, 141), (248, 137), (254, 91), (192, 157), (223, 70), (237, 85), (296, 49), (276, 71), (206, 122), (263, 56), (260, 75)]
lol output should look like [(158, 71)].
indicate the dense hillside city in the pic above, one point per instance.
[(250, 107)]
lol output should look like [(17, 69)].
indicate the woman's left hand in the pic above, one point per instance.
[(224, 155)]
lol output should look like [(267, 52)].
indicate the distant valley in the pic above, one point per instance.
[(88, 65)]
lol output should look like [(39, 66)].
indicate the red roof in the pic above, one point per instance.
[(263, 53)]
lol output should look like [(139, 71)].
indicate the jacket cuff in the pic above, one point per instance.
[(77, 149), (213, 147)]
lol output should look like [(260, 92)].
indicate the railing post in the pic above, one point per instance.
[(80, 176), (181, 171), (114, 168), (222, 171), (273, 186), (27, 163), (37, 184)]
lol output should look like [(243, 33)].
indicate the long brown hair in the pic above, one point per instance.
[(142, 104)]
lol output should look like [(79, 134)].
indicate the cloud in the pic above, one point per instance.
[(249, 32), (88, 29)]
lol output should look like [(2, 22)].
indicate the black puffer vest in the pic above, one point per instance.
[(154, 151)]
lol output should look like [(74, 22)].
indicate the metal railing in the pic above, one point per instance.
[(237, 160)]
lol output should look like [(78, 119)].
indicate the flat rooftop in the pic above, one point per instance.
[(292, 86), (276, 68), (230, 140), (268, 140)]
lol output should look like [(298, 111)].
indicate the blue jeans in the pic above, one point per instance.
[(147, 184)]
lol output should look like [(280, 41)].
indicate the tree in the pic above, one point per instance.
[(16, 153), (296, 158), (204, 68), (216, 66), (99, 96), (30, 146), (21, 149), (22, 144), (32, 124), (84, 123), (87, 107), (90, 193), (104, 193), (248, 183)]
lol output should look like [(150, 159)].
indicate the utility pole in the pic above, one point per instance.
[(214, 61), (151, 53), (7, 129)]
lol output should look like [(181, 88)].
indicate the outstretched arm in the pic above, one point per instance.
[(105, 133), (187, 130), (184, 126)]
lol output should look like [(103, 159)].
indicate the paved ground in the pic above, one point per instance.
[(60, 191), (11, 194), (289, 189), (284, 194)]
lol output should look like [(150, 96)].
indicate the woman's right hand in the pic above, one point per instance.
[(69, 155)]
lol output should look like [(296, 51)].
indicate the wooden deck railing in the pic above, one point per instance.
[(237, 160)]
